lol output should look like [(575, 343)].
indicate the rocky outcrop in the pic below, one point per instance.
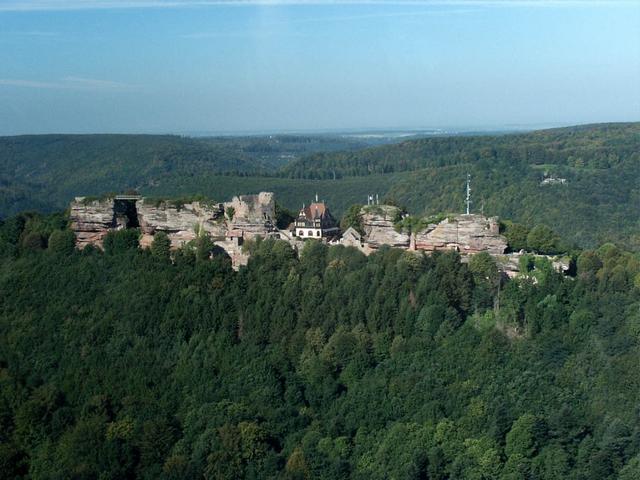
[(91, 220), (509, 263), (253, 214), (180, 222), (464, 233), (378, 224), (467, 234)]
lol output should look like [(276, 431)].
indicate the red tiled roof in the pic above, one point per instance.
[(315, 210)]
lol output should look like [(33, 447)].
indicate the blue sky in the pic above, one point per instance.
[(204, 66)]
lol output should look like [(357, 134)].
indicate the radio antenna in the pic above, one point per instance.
[(468, 193)]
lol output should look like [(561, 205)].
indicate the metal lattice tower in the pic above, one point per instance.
[(468, 193)]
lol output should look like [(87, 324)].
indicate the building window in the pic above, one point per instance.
[(310, 233), (318, 233), (300, 233)]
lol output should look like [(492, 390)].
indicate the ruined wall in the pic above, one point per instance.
[(253, 214), (465, 233)]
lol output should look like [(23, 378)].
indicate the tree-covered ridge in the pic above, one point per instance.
[(45, 172), (598, 204), (600, 163), (76, 164), (585, 147), (124, 364)]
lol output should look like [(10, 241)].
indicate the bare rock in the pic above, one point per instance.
[(91, 220), (465, 233), (378, 224), (181, 223), (253, 214)]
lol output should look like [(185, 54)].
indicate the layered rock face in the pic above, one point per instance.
[(378, 223), (181, 223), (253, 214), (91, 220), (465, 233)]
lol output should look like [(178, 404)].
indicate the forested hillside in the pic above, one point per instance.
[(600, 164), (596, 146), (55, 168), (45, 172), (333, 365), (599, 202)]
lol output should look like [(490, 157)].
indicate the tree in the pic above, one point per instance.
[(284, 216), (516, 235), (161, 246), (542, 239), (352, 218), (487, 278), (62, 242), (204, 246), (33, 241), (631, 470), (485, 270), (525, 436), (296, 467), (121, 241)]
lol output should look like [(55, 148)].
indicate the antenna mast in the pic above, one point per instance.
[(468, 193)]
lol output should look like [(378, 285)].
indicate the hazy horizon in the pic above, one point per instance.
[(355, 131), (223, 68)]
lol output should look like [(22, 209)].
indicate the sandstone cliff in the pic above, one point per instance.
[(465, 233), (378, 224), (91, 220), (181, 223)]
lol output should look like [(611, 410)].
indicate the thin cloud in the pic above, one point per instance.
[(32, 33), (40, 5), (10, 82), (331, 19), (67, 83)]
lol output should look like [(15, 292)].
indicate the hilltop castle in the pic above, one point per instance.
[(246, 217)]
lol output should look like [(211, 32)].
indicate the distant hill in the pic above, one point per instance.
[(46, 171), (587, 146), (60, 166), (598, 202)]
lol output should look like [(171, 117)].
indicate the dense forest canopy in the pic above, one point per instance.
[(329, 365), (587, 147), (45, 172), (599, 163)]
